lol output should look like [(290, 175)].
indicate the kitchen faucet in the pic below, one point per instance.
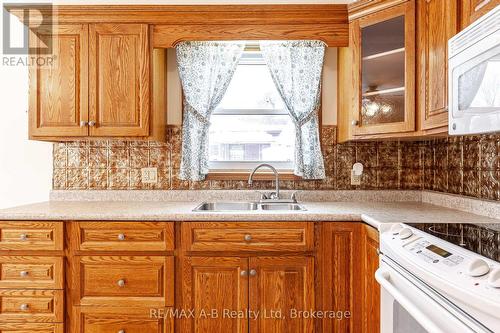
[(273, 195)]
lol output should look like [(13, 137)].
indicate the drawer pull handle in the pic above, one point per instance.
[(121, 331), (121, 237), (24, 307), (248, 238), (253, 272), (121, 283), (23, 273), (243, 273), (23, 237)]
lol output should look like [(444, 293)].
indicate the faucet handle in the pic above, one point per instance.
[(293, 197), (274, 196)]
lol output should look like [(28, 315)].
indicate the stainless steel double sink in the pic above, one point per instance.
[(247, 206)]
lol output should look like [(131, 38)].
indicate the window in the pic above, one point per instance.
[(251, 125)]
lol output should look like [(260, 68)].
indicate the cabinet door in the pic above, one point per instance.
[(384, 71), (212, 287), (58, 90), (119, 80), (370, 289), (432, 46), (474, 9), (339, 258), (279, 288)]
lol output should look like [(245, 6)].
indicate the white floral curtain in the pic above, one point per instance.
[(205, 70), (296, 68)]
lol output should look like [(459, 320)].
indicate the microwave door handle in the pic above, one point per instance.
[(383, 278)]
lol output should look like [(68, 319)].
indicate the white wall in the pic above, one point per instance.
[(25, 166)]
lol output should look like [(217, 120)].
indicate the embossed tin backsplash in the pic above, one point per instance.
[(461, 165)]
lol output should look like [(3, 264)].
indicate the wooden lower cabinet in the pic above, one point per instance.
[(370, 287), (282, 292), (211, 286), (31, 328), (121, 320)]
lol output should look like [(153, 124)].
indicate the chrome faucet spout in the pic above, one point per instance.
[(275, 195)]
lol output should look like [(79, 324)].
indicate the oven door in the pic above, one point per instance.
[(408, 305), (474, 77)]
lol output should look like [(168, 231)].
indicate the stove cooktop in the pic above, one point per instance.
[(483, 239)]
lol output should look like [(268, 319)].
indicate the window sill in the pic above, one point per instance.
[(240, 175)]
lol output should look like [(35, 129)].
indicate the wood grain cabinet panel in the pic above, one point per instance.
[(371, 288), (31, 306), (28, 236), (216, 283), (124, 281), (281, 288), (58, 90), (31, 272), (114, 320), (31, 328), (247, 236), (119, 80), (123, 236), (340, 275), (432, 64)]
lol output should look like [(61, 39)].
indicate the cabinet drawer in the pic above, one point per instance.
[(31, 272), (31, 305), (248, 236), (124, 236), (31, 328), (113, 320), (126, 281), (26, 236)]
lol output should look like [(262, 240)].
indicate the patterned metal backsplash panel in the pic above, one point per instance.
[(461, 165), (483, 239)]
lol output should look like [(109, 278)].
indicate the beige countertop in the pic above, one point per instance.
[(373, 213)]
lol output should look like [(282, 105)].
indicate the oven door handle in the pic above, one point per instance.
[(383, 278)]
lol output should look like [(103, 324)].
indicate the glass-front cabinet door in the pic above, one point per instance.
[(386, 71)]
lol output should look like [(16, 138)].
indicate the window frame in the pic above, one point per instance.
[(219, 169)]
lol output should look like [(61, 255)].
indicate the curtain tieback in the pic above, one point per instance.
[(201, 118), (307, 118)]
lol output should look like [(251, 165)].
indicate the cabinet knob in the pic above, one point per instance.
[(23, 273), (23, 237), (83, 123), (121, 283), (248, 238), (91, 123), (243, 273), (121, 331), (121, 237), (355, 122), (253, 272), (24, 307)]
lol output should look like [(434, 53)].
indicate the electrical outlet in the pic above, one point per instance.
[(149, 175), (355, 179)]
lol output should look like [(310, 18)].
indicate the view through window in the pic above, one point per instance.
[(251, 125)]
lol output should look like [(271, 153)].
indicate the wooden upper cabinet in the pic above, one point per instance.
[(384, 66), (214, 284), (58, 92), (119, 80), (432, 46), (280, 287), (474, 9)]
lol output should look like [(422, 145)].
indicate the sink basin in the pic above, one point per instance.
[(225, 206), (246, 206), (281, 206)]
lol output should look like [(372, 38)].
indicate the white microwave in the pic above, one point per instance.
[(474, 77)]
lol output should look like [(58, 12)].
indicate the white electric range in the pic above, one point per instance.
[(431, 285)]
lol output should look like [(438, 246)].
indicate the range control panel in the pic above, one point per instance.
[(413, 248)]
